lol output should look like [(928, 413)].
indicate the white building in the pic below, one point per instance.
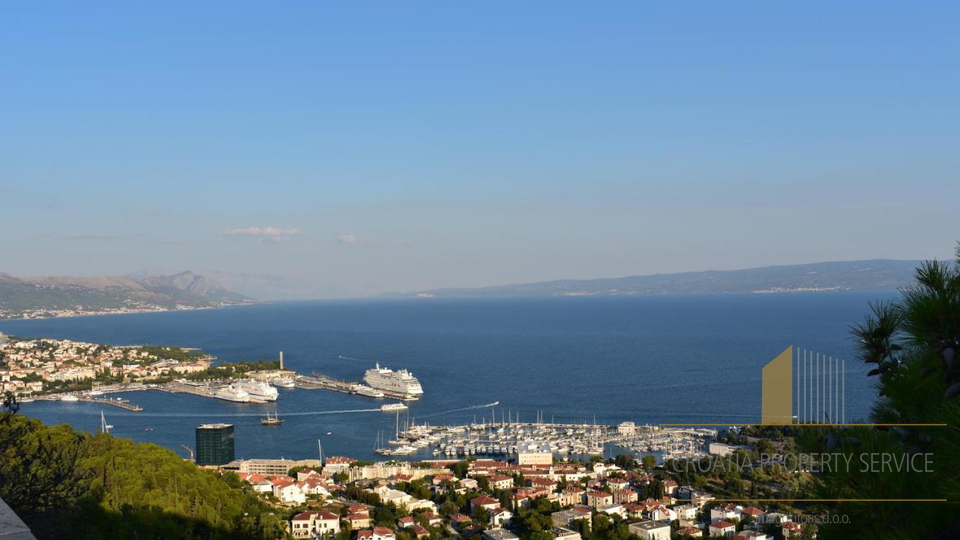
[(650, 530), (315, 525), (534, 453)]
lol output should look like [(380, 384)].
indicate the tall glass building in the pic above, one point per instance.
[(214, 444)]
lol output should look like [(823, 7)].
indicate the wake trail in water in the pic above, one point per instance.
[(470, 408)]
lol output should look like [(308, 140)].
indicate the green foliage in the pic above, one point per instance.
[(67, 484), (911, 346)]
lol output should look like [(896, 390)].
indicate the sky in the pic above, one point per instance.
[(397, 146)]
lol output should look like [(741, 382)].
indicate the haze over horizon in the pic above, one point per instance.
[(376, 148)]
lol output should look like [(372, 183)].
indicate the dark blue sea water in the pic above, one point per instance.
[(673, 359)]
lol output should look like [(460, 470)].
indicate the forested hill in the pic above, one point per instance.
[(58, 296), (878, 274), (68, 484)]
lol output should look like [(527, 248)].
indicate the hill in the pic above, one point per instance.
[(58, 296), (878, 274)]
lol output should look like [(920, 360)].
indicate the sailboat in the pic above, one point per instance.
[(104, 426), (268, 421)]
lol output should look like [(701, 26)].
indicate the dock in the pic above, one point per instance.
[(203, 390), (319, 381), (122, 403)]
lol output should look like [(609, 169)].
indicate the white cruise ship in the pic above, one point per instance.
[(232, 392), (259, 390), (394, 383)]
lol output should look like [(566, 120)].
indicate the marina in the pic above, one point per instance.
[(510, 438)]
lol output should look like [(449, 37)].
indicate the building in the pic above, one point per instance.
[(315, 524), (559, 533), (719, 449), (534, 453), (627, 428), (499, 534), (269, 467), (692, 532), (214, 444), (722, 528), (650, 530)]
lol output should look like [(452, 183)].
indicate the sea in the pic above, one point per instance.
[(645, 359)]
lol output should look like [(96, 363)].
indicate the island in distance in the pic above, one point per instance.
[(871, 275), (68, 296)]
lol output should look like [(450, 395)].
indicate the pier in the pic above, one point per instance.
[(122, 403), (204, 390)]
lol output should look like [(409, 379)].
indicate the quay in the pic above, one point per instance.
[(122, 403), (320, 381), (197, 389)]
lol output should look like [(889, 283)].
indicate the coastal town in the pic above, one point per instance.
[(534, 496)]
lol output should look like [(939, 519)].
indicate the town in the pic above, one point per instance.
[(534, 496)]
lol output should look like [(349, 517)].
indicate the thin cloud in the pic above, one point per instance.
[(354, 239), (267, 234)]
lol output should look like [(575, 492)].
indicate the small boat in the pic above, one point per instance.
[(148, 429), (329, 433), (268, 421), (283, 382), (391, 407), (365, 390)]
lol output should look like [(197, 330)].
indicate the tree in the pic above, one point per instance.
[(911, 346)]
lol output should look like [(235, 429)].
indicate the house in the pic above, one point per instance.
[(722, 528), (315, 524), (460, 520), (597, 499), (686, 512), (755, 513), (621, 496), (289, 493), (692, 532), (500, 517), (571, 496), (750, 535), (670, 487), (791, 529), (500, 482), (405, 522), (650, 530), (483, 502), (420, 532), (383, 533), (499, 534), (559, 533), (433, 520), (359, 521), (565, 518), (725, 512), (613, 510)]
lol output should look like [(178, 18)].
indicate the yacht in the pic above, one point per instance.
[(391, 407), (259, 390), (283, 382), (232, 392), (69, 397), (274, 421), (401, 382), (365, 390)]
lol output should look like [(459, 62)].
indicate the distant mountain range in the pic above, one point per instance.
[(60, 296), (880, 274)]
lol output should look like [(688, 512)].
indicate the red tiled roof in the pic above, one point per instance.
[(722, 524)]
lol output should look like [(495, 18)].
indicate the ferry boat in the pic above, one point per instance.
[(401, 383), (391, 407), (69, 397), (268, 421), (283, 382), (258, 390), (233, 393), (365, 390)]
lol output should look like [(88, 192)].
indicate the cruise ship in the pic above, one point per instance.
[(394, 383), (232, 392), (259, 390)]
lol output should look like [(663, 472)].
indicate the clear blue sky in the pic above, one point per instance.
[(375, 146)]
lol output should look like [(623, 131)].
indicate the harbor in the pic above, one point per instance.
[(512, 437)]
